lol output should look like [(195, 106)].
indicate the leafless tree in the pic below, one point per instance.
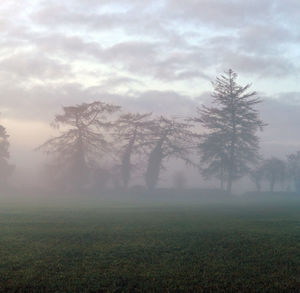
[(83, 139), (257, 176), (171, 138), (133, 131), (274, 171)]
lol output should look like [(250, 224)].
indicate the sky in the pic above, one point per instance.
[(158, 56)]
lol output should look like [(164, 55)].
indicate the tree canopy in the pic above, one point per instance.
[(230, 143)]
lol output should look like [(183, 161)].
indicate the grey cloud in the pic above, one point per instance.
[(162, 40), (282, 135), (220, 13), (28, 65), (40, 102), (289, 98), (263, 66), (265, 39), (162, 102), (114, 82), (68, 46), (135, 19), (162, 53)]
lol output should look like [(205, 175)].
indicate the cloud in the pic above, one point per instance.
[(220, 13), (28, 65), (281, 136), (155, 56), (270, 66)]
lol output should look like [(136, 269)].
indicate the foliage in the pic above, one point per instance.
[(257, 175), (132, 130), (172, 139), (230, 143), (274, 171), (83, 139)]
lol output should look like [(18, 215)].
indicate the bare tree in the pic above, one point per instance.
[(257, 176), (230, 144), (171, 138), (133, 131), (83, 138), (274, 172)]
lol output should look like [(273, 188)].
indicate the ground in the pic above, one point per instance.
[(96, 246)]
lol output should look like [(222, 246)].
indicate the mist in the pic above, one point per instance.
[(55, 57), (149, 146)]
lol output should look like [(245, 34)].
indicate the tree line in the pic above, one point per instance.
[(98, 142)]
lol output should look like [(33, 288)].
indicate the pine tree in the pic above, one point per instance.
[(230, 143)]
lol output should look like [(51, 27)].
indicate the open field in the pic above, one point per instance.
[(137, 247)]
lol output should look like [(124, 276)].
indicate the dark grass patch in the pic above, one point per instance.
[(192, 248)]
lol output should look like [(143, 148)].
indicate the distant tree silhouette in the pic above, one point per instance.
[(293, 169), (83, 139), (274, 171), (133, 132), (230, 144), (257, 176), (171, 138), (5, 168)]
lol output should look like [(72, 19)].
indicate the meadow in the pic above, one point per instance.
[(142, 246)]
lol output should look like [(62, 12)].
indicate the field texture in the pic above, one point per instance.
[(231, 247)]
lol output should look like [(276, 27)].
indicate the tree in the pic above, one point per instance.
[(171, 138), (83, 139), (230, 144), (274, 171), (5, 168), (132, 130), (257, 176), (293, 169)]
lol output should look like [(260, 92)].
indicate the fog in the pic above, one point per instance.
[(149, 146), (157, 58)]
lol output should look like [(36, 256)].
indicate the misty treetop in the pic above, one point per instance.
[(172, 139), (277, 174), (83, 139), (228, 146), (230, 143), (132, 131), (99, 144)]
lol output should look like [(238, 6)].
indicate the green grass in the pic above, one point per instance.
[(102, 247)]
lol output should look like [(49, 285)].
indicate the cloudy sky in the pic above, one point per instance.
[(157, 55)]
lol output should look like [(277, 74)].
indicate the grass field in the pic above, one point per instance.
[(137, 247)]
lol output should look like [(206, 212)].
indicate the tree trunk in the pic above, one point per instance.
[(233, 141), (126, 162), (126, 168), (154, 166)]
